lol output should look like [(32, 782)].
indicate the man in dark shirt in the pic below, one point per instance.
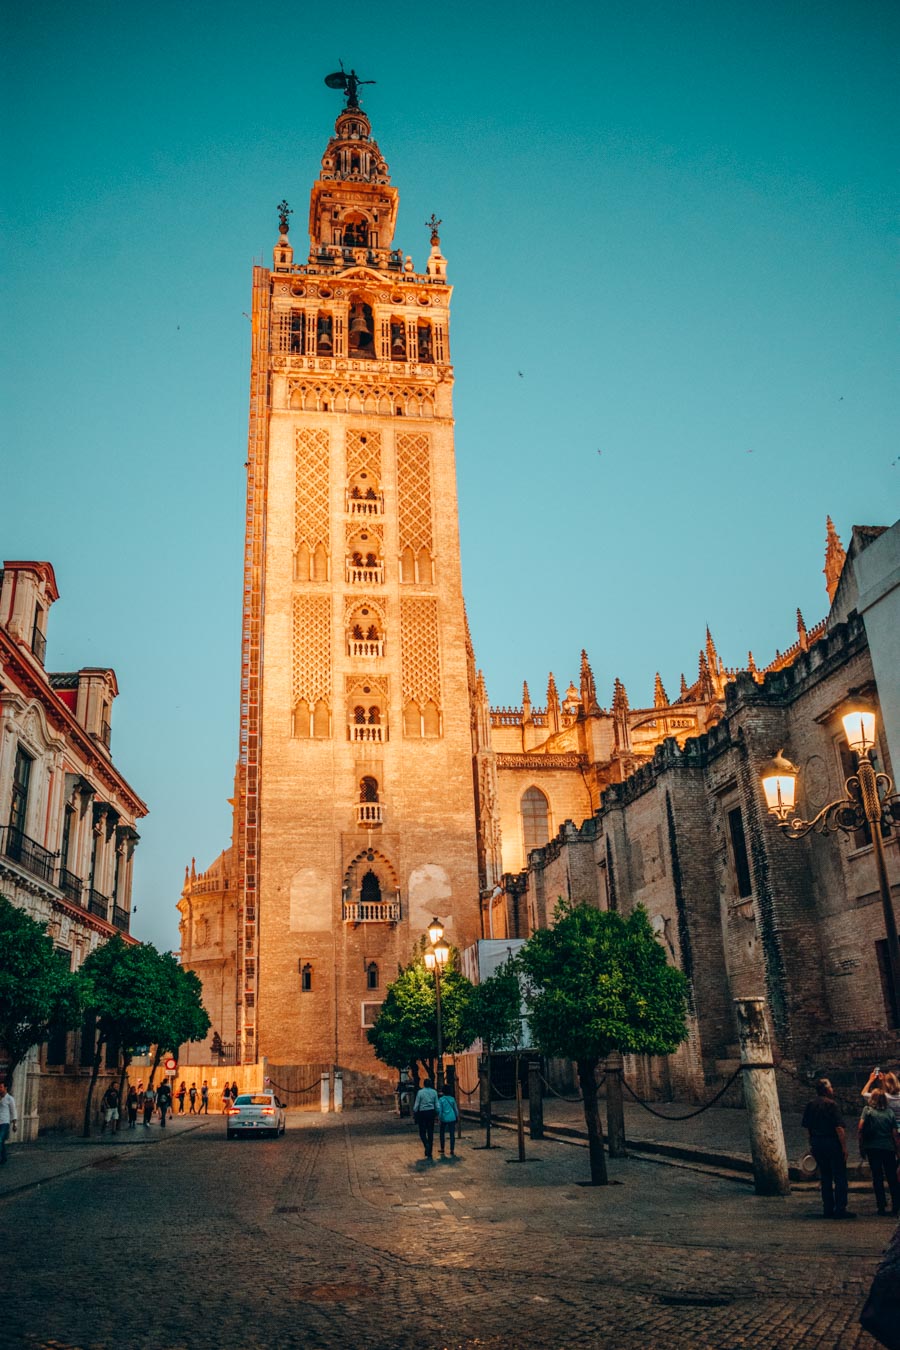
[(824, 1124)]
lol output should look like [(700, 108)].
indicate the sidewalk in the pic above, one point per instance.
[(717, 1139), (53, 1156)]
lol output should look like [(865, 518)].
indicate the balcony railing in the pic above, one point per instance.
[(98, 904), (366, 506), (369, 813), (29, 854), (367, 911), (39, 644), (366, 647), (71, 886), (120, 918), (365, 576), (361, 732)]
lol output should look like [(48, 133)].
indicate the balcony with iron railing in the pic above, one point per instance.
[(366, 506), (369, 814), (120, 918), (371, 911), (365, 576), (365, 647), (98, 904), (39, 644), (361, 731), (28, 853), (71, 886)]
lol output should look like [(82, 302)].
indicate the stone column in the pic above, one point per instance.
[(338, 1090), (770, 1165), (325, 1097), (615, 1113), (535, 1100)]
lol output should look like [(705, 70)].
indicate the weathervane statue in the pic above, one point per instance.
[(349, 83)]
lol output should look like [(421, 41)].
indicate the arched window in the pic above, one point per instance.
[(359, 716), (374, 716), (368, 789), (306, 978), (302, 720), (370, 891), (321, 720), (407, 565), (412, 720), (535, 819), (431, 718), (372, 975)]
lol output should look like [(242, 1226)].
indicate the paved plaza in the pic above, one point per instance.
[(341, 1235)]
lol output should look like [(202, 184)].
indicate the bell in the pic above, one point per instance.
[(358, 322), (398, 345)]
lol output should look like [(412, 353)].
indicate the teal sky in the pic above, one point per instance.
[(677, 221)]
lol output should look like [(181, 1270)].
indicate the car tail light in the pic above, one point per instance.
[(268, 1110), (233, 1111)]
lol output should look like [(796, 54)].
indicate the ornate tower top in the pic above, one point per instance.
[(834, 558)]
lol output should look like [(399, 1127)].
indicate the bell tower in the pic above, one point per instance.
[(355, 810)]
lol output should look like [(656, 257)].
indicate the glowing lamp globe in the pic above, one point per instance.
[(859, 728), (779, 782)]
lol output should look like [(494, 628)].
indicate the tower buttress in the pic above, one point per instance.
[(834, 559)]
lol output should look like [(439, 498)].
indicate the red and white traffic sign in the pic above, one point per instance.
[(170, 1064)]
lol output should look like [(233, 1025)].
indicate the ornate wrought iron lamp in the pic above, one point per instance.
[(436, 958), (870, 801)]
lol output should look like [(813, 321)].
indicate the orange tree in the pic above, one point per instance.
[(595, 983)]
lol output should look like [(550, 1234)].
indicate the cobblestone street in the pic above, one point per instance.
[(339, 1234)]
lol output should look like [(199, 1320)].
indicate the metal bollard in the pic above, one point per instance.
[(535, 1100), (325, 1100)]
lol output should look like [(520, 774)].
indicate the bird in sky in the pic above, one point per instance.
[(521, 376)]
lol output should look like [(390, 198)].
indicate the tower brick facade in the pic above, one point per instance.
[(355, 815)]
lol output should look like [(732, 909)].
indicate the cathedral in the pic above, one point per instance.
[(376, 786)]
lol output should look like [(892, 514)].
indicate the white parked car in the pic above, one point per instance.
[(256, 1113)]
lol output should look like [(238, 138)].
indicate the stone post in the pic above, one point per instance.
[(325, 1098), (615, 1111), (338, 1090), (535, 1100), (770, 1165)]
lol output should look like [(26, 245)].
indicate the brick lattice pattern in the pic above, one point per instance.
[(311, 489), (311, 654), (364, 454), (414, 491), (421, 669)]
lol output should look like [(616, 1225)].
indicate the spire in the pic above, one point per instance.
[(660, 697), (552, 704), (683, 689), (706, 691), (834, 559), (588, 688), (712, 656), (620, 716), (751, 664), (619, 698), (526, 703), (801, 633)]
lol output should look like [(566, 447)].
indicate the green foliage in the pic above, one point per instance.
[(37, 990), (600, 982), (140, 996), (405, 1030), (497, 1009)]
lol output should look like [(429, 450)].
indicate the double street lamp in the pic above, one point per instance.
[(436, 957), (869, 801)]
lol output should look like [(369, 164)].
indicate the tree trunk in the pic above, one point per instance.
[(95, 1073), (587, 1077), (126, 1060), (155, 1065)]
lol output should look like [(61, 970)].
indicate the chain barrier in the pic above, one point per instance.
[(690, 1115), (294, 1092), (551, 1088), (467, 1092)]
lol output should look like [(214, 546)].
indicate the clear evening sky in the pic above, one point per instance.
[(675, 220)]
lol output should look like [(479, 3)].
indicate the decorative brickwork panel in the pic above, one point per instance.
[(311, 490), (421, 668), (364, 455), (311, 655), (414, 491)]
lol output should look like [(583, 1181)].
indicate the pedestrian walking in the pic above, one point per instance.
[(226, 1098), (879, 1315), (824, 1124), (879, 1144), (9, 1119), (164, 1102), (110, 1107), (193, 1098), (234, 1091), (448, 1115), (181, 1094), (149, 1104), (424, 1114), (132, 1102), (204, 1098)]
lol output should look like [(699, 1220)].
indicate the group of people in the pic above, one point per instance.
[(199, 1101), (431, 1108), (878, 1137)]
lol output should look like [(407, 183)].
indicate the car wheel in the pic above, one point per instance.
[(229, 1134)]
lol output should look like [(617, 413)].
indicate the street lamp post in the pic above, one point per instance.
[(436, 958), (869, 801)]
